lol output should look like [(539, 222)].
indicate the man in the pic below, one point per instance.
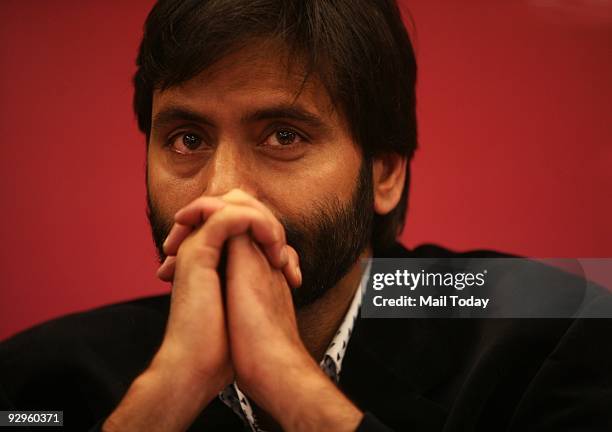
[(278, 140)]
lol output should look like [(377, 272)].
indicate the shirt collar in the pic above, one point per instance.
[(332, 360)]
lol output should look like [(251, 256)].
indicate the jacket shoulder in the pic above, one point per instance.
[(124, 318), (428, 250), (97, 352)]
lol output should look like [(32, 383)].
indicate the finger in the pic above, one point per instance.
[(238, 196), (292, 270), (177, 234), (166, 271), (200, 209), (196, 212), (189, 217), (258, 298), (264, 230), (247, 265), (233, 220)]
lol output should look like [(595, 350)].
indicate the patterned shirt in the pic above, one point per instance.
[(331, 363)]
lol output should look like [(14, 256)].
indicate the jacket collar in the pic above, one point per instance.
[(393, 362)]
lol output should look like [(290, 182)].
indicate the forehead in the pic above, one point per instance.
[(259, 73)]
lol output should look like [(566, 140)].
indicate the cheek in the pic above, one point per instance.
[(167, 192), (329, 178)]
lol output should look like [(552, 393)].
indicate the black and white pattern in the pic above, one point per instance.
[(331, 363)]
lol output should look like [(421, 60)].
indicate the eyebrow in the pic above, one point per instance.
[(172, 114), (289, 112)]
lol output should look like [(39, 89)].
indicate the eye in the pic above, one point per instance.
[(186, 143), (284, 138)]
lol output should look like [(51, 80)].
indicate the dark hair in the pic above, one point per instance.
[(359, 49)]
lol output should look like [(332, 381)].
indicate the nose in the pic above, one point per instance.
[(228, 169)]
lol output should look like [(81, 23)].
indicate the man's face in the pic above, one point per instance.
[(239, 125)]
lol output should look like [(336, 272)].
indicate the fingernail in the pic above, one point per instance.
[(161, 267), (299, 274), (169, 235)]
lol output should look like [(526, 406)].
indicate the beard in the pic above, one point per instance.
[(328, 240)]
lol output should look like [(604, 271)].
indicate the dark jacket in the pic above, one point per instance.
[(406, 374)]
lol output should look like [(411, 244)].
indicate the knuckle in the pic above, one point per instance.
[(225, 215), (196, 203), (207, 256), (240, 212), (199, 200), (192, 252), (218, 217), (234, 194)]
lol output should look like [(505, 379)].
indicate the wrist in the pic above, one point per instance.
[(320, 405), (304, 399), (177, 365), (165, 397), (182, 382)]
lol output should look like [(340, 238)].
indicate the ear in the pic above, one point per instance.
[(389, 174)]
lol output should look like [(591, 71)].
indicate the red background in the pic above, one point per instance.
[(514, 104)]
